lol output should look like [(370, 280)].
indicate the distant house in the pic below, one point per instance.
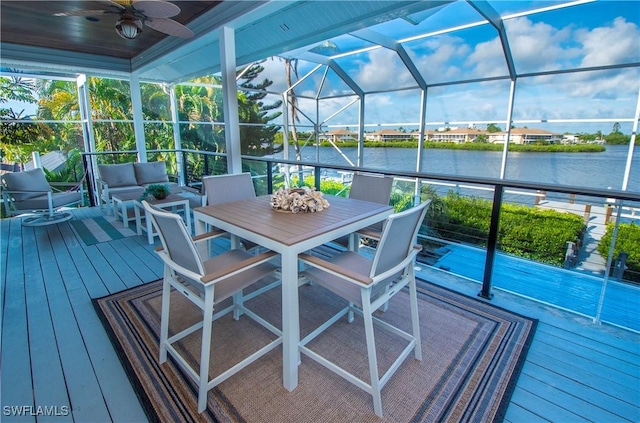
[(415, 135), (388, 135), (339, 135), (54, 161), (458, 135), (526, 136)]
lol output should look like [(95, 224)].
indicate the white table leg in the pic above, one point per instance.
[(138, 213), (187, 216), (125, 213), (200, 228), (290, 323), (147, 222)]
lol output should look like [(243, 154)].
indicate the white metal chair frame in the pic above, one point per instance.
[(343, 276), (200, 288)]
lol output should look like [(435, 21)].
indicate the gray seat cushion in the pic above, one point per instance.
[(41, 202), (151, 173), (30, 180), (118, 175)]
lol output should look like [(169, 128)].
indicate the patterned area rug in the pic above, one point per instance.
[(101, 229), (472, 355)]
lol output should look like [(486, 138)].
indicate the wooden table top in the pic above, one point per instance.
[(256, 215)]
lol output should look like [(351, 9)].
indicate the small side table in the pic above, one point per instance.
[(124, 207), (172, 201)]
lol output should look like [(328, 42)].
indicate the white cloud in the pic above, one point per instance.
[(488, 59), (383, 70), (538, 46), (616, 43)]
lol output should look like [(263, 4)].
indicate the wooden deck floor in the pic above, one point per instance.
[(55, 352)]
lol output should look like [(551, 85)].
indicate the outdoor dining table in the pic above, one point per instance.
[(290, 234)]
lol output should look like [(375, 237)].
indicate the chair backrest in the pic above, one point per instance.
[(397, 240), (29, 180), (221, 189), (370, 187), (175, 238)]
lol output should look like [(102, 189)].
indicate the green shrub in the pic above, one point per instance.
[(523, 231), (628, 241)]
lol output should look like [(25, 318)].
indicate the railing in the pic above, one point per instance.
[(580, 282)]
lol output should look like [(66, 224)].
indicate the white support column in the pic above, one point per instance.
[(84, 106), (177, 142), (360, 158), (507, 130), (230, 99), (423, 117), (138, 120)]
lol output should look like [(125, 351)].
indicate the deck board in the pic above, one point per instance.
[(46, 368), (16, 366), (575, 371), (116, 389)]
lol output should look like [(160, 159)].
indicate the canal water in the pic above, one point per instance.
[(587, 170)]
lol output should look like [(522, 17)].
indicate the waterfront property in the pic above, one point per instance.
[(258, 71), (57, 353)]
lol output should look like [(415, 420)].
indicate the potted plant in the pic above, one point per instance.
[(157, 191)]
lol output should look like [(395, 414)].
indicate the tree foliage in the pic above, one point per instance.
[(19, 139)]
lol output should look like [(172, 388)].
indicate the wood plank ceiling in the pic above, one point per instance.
[(33, 23)]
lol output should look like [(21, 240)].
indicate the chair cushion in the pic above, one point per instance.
[(30, 180), (227, 287), (118, 175), (149, 173), (41, 202), (349, 291)]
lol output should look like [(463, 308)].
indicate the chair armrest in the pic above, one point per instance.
[(402, 265), (370, 233), (199, 238), (240, 266), (334, 269), (208, 235)]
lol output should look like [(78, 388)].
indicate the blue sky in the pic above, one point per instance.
[(598, 33), (587, 35)]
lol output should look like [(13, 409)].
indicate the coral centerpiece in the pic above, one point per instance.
[(298, 200)]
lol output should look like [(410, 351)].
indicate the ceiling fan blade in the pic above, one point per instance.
[(82, 13), (169, 26), (156, 8), (120, 4)]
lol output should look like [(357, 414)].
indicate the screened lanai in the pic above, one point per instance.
[(413, 66), (344, 78), (329, 77)]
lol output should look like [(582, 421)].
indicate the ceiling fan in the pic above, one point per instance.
[(133, 14)]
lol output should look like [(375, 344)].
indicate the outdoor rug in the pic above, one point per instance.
[(472, 355), (94, 230)]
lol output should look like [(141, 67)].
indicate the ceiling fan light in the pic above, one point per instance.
[(129, 28)]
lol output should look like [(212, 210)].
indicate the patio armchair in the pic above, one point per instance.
[(368, 187), (29, 193), (367, 284), (206, 283)]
